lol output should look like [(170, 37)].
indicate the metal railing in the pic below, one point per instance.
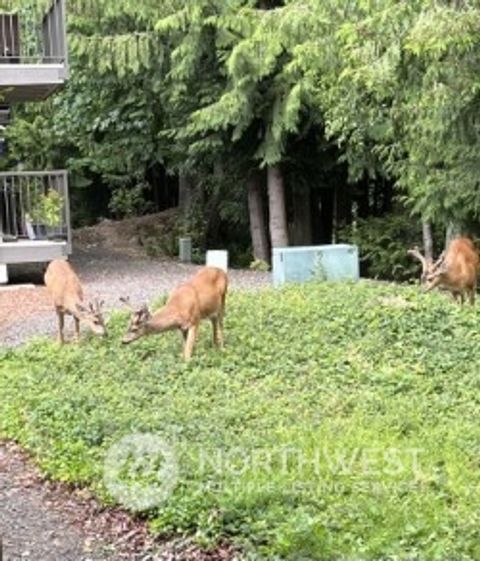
[(4, 117), (32, 32), (34, 206)]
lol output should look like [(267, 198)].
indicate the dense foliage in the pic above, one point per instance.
[(345, 104), (372, 389), (383, 239)]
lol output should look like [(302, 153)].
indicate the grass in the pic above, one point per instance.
[(340, 422)]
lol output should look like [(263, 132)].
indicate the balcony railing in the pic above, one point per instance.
[(34, 206), (33, 49), (32, 32)]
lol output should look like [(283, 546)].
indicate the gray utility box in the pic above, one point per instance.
[(323, 262)]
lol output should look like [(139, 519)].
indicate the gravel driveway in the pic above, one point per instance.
[(34, 527), (26, 312), (44, 521)]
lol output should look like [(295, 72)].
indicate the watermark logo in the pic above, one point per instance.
[(140, 471)]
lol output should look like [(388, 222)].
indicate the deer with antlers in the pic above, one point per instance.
[(203, 297), (455, 270), (66, 291)]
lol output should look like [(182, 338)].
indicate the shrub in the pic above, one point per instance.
[(128, 201), (383, 243), (259, 265)]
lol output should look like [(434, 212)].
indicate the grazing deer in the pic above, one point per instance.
[(455, 270), (200, 298), (65, 288)]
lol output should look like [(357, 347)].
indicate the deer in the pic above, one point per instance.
[(455, 270), (66, 291), (202, 297)]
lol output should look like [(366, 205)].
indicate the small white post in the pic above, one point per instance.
[(217, 258), (3, 274)]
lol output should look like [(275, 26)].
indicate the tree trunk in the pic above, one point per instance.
[(343, 207), (335, 216), (301, 226), (212, 213), (186, 203), (326, 215), (258, 227), (427, 239), (277, 209), (185, 193), (387, 196), (363, 198)]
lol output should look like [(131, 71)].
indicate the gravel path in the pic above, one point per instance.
[(32, 526), (105, 275), (43, 521)]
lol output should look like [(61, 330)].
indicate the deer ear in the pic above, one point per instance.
[(81, 308)]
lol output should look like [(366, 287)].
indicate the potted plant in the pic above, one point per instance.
[(45, 213)]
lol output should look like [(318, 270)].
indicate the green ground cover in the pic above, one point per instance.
[(340, 422)]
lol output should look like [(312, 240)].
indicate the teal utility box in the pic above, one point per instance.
[(323, 262)]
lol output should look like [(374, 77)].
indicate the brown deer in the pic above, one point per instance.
[(202, 297), (455, 270), (66, 291)]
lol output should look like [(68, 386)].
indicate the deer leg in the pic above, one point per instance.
[(217, 332), (61, 324), (471, 295), (457, 297), (77, 328), (221, 315), (217, 324), (189, 342)]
